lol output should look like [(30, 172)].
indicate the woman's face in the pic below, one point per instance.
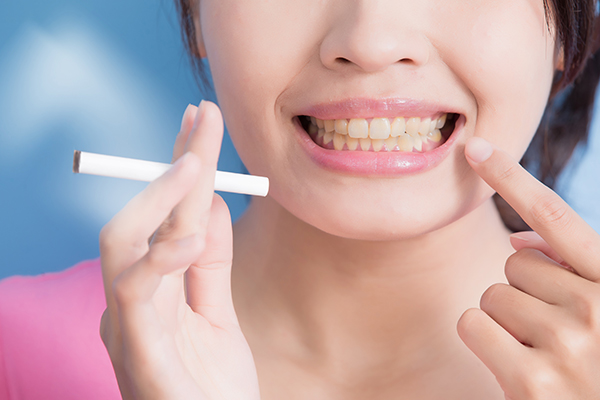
[(382, 69)]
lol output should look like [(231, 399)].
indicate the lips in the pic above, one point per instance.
[(416, 149)]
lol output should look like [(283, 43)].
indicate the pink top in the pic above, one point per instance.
[(50, 347)]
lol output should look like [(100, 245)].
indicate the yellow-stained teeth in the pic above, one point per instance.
[(358, 128), (338, 141), (352, 143), (341, 126), (380, 134), (432, 125), (379, 128), (412, 126), (365, 144), (405, 142), (436, 135), (329, 125), (377, 144), (390, 143), (328, 137), (441, 121), (424, 126), (320, 134), (398, 127)]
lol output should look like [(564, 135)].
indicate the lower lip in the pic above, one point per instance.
[(369, 163)]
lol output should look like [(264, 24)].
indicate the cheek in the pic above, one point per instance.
[(256, 48), (508, 66)]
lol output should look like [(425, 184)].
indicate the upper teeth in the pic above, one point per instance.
[(382, 128)]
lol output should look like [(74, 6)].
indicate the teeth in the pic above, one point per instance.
[(391, 142), (398, 127), (380, 128), (380, 134), (417, 143), (424, 126), (377, 144), (358, 128), (432, 125), (365, 144), (338, 141), (405, 142), (441, 121), (329, 125), (328, 137), (436, 135), (412, 126), (352, 143), (320, 134), (341, 126)]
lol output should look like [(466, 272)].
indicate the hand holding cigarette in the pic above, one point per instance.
[(170, 326), (147, 171)]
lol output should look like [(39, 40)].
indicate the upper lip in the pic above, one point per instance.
[(372, 108)]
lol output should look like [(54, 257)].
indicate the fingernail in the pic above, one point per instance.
[(478, 150), (199, 113), (526, 236), (186, 114)]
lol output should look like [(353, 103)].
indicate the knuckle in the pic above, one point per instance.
[(571, 345), (550, 211), (105, 329), (107, 236), (538, 383), (122, 290), (508, 174), (588, 309)]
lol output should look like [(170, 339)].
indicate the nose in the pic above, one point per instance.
[(372, 35)]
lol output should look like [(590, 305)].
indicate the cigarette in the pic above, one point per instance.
[(147, 171)]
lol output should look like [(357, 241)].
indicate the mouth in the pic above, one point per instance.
[(399, 134)]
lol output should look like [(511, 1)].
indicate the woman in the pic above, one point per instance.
[(384, 127)]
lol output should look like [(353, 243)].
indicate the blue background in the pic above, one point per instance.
[(110, 77)]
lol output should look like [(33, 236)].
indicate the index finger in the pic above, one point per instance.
[(542, 209)]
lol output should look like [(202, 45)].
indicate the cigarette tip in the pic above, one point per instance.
[(76, 160)]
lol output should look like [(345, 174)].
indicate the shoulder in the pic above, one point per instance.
[(54, 286), (67, 301), (49, 334)]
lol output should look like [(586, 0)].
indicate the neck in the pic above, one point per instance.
[(347, 304)]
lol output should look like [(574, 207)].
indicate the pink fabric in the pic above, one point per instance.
[(50, 347)]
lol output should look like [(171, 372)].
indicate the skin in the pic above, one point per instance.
[(326, 306)]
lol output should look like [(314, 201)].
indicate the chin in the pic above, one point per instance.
[(404, 218)]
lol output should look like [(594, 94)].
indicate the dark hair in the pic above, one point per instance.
[(568, 114)]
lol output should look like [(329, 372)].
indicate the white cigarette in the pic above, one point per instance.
[(147, 171)]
